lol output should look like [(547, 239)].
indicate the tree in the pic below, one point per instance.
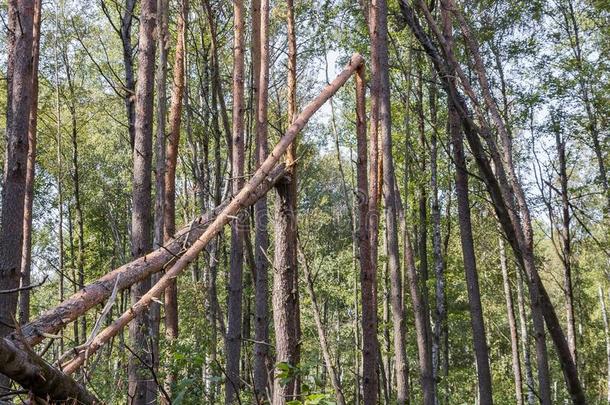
[(141, 229), (19, 104), (235, 285), (286, 280), (171, 153), (260, 51), (26, 256)]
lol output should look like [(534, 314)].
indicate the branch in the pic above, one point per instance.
[(25, 288)]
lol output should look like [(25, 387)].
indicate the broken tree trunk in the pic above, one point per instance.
[(44, 381), (228, 213), (95, 293)]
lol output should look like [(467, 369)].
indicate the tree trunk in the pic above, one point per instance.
[(159, 213), (36, 375), (26, 258), (512, 326), (368, 273), (286, 314), (440, 314), (141, 229), (75, 173), (379, 54), (525, 346), (421, 323), (468, 254), (171, 159), (130, 84), (59, 176), (19, 103), (284, 300), (474, 297), (235, 287), (566, 243), (261, 238)]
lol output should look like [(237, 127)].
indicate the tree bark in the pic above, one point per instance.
[(160, 145), (26, 257), (36, 375), (19, 104), (130, 84), (286, 313), (141, 227), (368, 272), (261, 239), (171, 156), (235, 287)]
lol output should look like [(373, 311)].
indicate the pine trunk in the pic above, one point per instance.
[(235, 282), (141, 227)]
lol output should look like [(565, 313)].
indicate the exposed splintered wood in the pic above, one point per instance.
[(43, 380), (238, 202)]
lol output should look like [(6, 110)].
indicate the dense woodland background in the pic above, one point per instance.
[(143, 115)]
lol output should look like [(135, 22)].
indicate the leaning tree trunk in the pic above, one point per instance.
[(259, 183), (141, 229), (503, 186), (235, 288), (469, 257), (26, 259), (19, 103)]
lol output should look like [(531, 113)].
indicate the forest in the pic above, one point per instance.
[(305, 202)]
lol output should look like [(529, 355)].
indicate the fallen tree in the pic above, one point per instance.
[(180, 251), (43, 380), (97, 292), (229, 213)]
